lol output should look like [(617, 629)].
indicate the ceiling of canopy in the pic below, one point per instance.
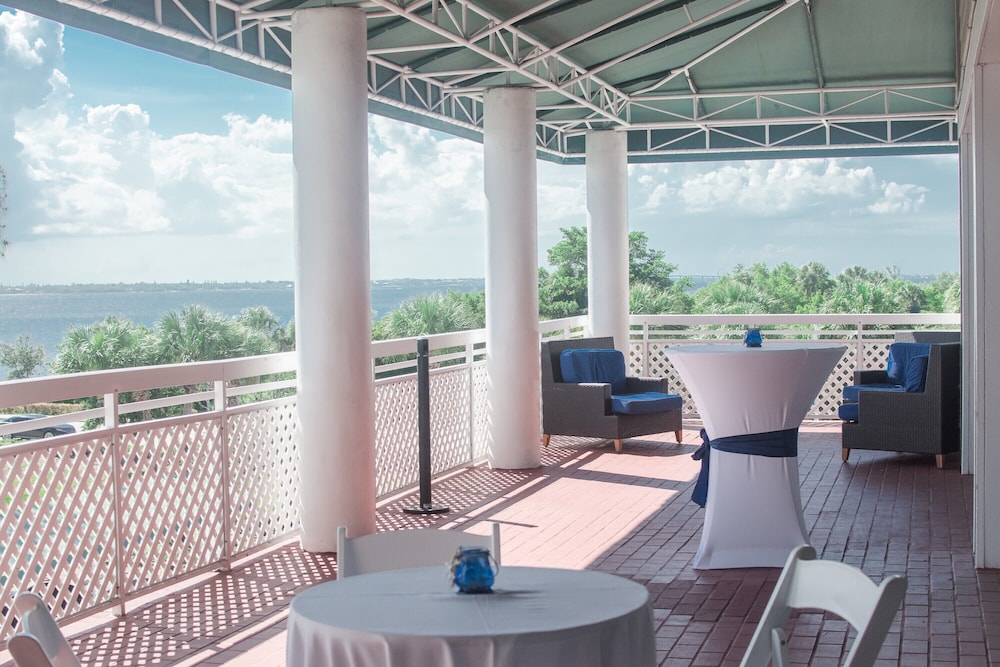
[(686, 79)]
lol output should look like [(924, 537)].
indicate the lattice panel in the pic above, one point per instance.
[(450, 445), (659, 366), (876, 355), (173, 523), (396, 435), (396, 428), (263, 476), (57, 527), (479, 384)]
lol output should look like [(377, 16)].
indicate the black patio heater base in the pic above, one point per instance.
[(427, 509)]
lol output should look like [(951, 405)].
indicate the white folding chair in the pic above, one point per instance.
[(397, 549), (842, 589), (38, 641)]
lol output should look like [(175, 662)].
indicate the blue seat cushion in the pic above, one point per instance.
[(645, 403), (594, 365), (916, 374), (848, 412), (900, 355), (851, 391)]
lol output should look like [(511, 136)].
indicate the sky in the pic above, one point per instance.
[(124, 165)]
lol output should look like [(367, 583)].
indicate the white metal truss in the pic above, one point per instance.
[(414, 75)]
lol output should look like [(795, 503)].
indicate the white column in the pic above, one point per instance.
[(332, 285), (968, 290), (513, 393), (986, 499), (607, 236)]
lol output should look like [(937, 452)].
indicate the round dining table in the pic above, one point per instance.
[(415, 618), (751, 401)]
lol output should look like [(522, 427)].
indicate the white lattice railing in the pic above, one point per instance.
[(197, 465)]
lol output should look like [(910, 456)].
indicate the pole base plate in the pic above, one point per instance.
[(427, 509)]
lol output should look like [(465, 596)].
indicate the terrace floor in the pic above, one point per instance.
[(630, 514)]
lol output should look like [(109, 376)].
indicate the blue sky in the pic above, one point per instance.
[(125, 165)]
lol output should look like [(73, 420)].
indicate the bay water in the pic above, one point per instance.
[(45, 314)]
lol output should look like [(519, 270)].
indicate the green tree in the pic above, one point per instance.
[(261, 320), (21, 358), (645, 299), (199, 334), (430, 314), (562, 291), (733, 295), (112, 343)]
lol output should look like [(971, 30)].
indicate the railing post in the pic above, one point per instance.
[(859, 351), (111, 421), (222, 408), (470, 357)]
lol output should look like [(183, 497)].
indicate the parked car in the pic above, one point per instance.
[(32, 433)]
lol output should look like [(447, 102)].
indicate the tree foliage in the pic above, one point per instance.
[(21, 358), (562, 289)]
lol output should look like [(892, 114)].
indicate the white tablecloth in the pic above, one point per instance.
[(753, 515), (413, 618)]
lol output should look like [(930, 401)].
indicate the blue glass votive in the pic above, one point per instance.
[(472, 571), (752, 339)]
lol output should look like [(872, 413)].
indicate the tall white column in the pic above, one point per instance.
[(513, 392), (986, 498), (332, 285), (968, 291), (607, 236)]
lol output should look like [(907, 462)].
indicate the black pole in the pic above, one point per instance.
[(424, 433)]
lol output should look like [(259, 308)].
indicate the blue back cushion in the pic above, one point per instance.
[(589, 365), (916, 374), (900, 355)]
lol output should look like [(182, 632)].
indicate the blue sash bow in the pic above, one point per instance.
[(774, 443)]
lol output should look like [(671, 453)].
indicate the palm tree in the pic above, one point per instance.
[(112, 343), (425, 315)]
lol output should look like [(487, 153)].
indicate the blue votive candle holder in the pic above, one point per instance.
[(752, 339), (472, 571)]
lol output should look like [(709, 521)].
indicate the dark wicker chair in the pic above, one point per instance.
[(923, 422), (584, 410)]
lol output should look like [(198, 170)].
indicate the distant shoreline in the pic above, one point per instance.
[(94, 288)]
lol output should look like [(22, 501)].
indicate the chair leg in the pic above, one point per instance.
[(618, 445), (545, 439), (844, 453), (679, 434), (940, 460)]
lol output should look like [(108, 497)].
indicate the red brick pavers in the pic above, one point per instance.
[(629, 514)]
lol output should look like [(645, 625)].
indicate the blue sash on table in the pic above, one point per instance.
[(779, 444)]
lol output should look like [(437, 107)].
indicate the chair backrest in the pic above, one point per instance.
[(594, 365), (398, 549), (38, 641), (842, 589), (900, 357), (552, 349)]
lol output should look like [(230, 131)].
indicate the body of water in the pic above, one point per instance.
[(46, 316)]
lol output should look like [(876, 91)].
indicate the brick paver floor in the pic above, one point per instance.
[(630, 514)]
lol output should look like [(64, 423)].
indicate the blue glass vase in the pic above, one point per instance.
[(752, 339), (472, 571)]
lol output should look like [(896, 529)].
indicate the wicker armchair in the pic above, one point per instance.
[(921, 422), (584, 409)]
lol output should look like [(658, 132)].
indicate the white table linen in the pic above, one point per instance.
[(753, 513), (413, 618)]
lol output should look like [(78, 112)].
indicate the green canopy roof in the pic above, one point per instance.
[(687, 79)]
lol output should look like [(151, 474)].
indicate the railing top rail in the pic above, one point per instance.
[(804, 319)]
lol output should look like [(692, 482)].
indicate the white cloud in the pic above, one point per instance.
[(775, 187), (899, 198)]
